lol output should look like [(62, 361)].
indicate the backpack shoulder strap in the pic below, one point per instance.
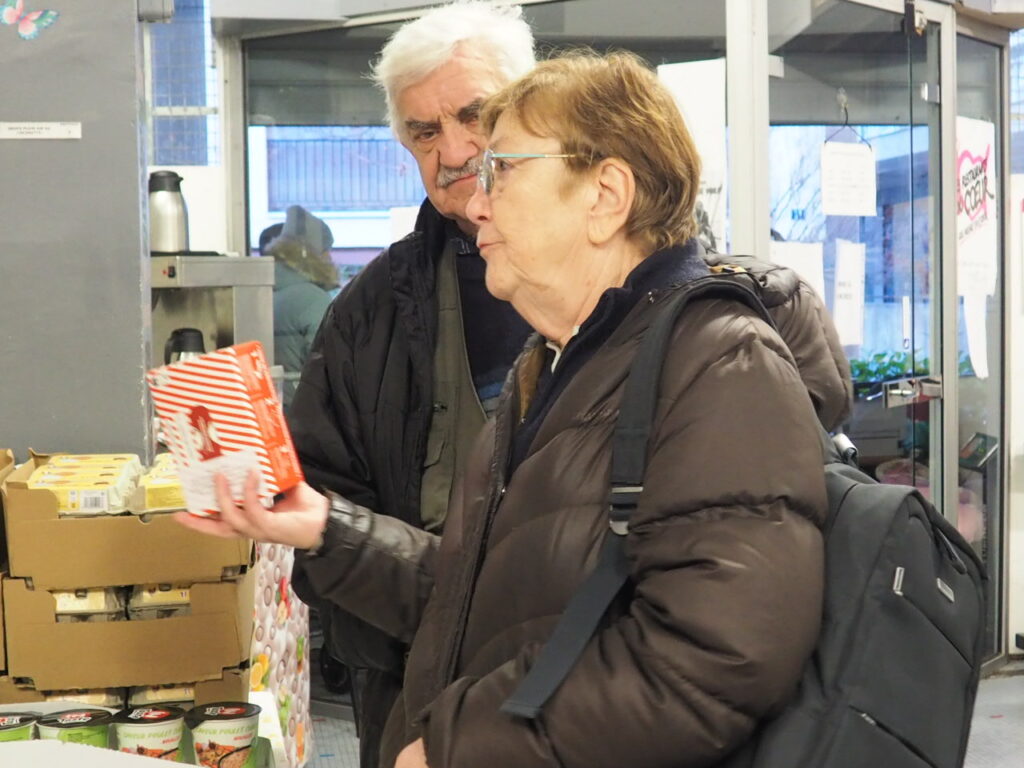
[(583, 613)]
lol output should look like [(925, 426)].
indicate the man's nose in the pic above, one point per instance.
[(478, 209), (459, 145)]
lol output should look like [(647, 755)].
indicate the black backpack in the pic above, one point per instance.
[(892, 681)]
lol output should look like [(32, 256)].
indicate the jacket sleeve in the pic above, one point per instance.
[(806, 324), (727, 569), (377, 568), (327, 434)]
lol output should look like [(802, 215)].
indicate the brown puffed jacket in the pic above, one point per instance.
[(725, 547), (806, 325)]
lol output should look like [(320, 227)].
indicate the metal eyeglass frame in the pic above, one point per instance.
[(485, 178)]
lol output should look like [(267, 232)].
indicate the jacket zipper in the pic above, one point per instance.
[(499, 463)]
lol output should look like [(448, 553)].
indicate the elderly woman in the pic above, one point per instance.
[(585, 214)]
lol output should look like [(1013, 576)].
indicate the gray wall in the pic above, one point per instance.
[(74, 297)]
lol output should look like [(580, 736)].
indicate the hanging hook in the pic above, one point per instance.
[(844, 105)]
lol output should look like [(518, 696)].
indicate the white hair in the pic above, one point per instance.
[(496, 32)]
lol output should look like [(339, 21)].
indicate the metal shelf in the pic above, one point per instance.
[(211, 271)]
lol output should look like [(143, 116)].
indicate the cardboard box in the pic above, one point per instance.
[(232, 685), (6, 467), (59, 656), (70, 553), (10, 693), (220, 414), (3, 636)]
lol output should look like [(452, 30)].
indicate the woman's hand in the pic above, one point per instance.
[(413, 756), (296, 521)]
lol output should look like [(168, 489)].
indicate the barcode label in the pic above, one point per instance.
[(95, 501)]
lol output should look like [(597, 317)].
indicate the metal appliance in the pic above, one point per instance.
[(225, 299), (168, 216)]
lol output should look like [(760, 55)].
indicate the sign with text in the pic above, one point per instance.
[(847, 179)]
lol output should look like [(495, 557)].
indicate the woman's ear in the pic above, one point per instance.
[(615, 189)]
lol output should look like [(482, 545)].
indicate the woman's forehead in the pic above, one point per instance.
[(509, 130)]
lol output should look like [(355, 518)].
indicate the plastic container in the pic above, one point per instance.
[(151, 732), (224, 734), (18, 726), (81, 726)]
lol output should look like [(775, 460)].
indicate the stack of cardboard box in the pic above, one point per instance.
[(200, 651)]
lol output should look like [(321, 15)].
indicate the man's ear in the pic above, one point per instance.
[(615, 190)]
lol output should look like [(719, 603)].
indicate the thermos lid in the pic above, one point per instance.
[(187, 340), (164, 181)]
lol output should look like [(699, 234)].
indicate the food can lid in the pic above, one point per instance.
[(75, 718), (152, 715), (220, 710)]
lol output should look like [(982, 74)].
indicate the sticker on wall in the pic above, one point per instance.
[(28, 23)]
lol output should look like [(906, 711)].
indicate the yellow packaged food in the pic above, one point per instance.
[(161, 694), (130, 460), (89, 605), (96, 494), (158, 602), (99, 697), (159, 490)]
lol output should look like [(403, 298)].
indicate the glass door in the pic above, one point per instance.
[(980, 311), (886, 176), (855, 187)]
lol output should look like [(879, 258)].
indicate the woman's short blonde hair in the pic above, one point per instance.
[(613, 106)]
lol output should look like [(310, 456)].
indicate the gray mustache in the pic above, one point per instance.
[(447, 176)]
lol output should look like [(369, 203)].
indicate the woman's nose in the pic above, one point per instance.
[(478, 209)]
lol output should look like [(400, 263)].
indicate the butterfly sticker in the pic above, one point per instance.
[(12, 13)]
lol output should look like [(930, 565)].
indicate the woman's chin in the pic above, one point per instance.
[(495, 286)]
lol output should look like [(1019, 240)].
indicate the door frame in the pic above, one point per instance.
[(1000, 37), (748, 119)]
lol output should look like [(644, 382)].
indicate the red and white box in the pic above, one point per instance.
[(220, 414)]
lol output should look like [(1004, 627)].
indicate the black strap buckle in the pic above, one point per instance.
[(622, 501)]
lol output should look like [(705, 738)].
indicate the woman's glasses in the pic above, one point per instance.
[(489, 166)]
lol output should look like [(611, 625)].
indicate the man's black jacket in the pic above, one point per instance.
[(361, 413)]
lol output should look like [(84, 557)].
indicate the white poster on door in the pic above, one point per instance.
[(848, 304), (806, 259), (977, 210), (848, 179), (977, 229), (699, 91)]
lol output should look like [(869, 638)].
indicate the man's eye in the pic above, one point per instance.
[(423, 136), (501, 164)]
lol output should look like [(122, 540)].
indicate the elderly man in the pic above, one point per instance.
[(411, 356)]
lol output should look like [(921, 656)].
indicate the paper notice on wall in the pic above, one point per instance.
[(848, 304), (699, 91), (63, 130), (848, 176), (977, 209), (806, 259)]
